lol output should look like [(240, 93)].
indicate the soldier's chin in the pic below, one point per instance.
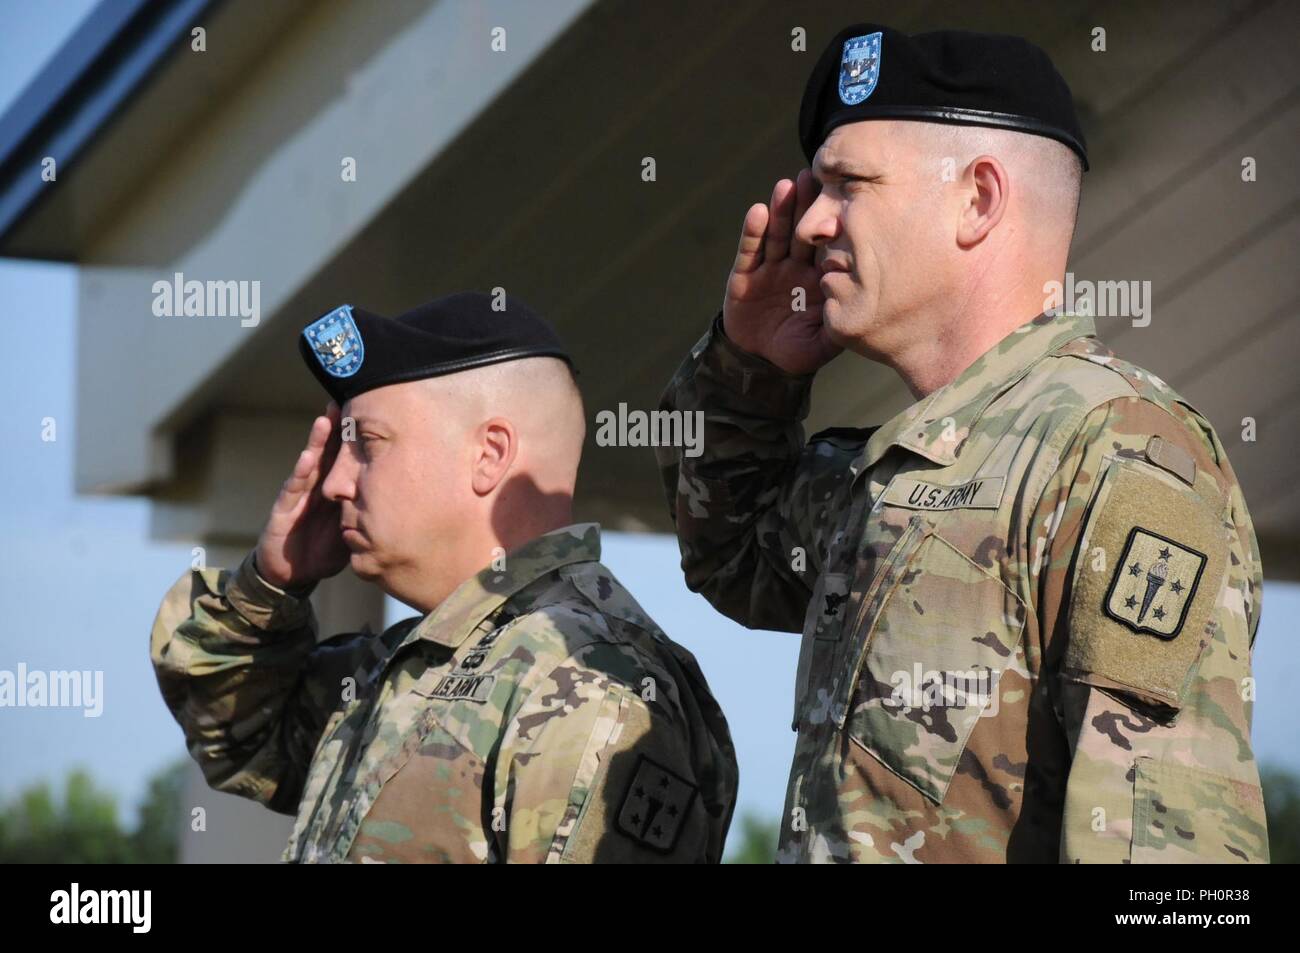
[(365, 566), (833, 317), (846, 327)]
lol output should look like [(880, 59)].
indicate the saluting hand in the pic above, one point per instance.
[(301, 542), (758, 310)]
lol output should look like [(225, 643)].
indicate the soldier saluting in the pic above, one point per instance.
[(1028, 601), (535, 713)]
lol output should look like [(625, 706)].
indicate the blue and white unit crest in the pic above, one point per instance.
[(336, 342), (859, 68)]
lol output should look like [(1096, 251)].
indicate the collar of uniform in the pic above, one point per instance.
[(937, 426), (479, 596)]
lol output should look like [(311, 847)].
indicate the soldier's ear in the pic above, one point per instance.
[(985, 191), (496, 444)]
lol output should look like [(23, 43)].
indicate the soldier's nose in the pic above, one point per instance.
[(816, 227), (338, 483)]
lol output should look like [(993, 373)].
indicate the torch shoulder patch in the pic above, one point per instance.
[(1153, 583), (1146, 584)]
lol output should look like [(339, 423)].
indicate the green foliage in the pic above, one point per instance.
[(757, 843), (1282, 804), (82, 828)]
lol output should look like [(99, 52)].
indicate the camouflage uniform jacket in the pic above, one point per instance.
[(537, 715), (1028, 604)]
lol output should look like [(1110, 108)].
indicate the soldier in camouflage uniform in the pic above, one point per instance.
[(1029, 600), (534, 714)]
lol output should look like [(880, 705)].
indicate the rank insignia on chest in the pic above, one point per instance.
[(336, 342), (833, 602), (1153, 584), (655, 806)]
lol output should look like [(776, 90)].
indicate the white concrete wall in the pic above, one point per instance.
[(256, 194)]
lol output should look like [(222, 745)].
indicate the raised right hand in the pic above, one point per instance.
[(758, 309), (301, 543)]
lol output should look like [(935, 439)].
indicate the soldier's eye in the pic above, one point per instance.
[(369, 442)]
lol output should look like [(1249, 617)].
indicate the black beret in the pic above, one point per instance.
[(978, 79), (352, 351)]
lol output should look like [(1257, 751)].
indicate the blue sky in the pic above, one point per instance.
[(80, 580)]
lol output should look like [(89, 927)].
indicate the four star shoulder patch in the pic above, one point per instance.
[(1146, 584), (656, 805), (1153, 583)]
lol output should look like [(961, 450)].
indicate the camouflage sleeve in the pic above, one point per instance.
[(590, 772), (240, 670), (751, 503), (1147, 603)]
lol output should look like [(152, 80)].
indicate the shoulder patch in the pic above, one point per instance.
[(1153, 584), (655, 805), (1147, 578)]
